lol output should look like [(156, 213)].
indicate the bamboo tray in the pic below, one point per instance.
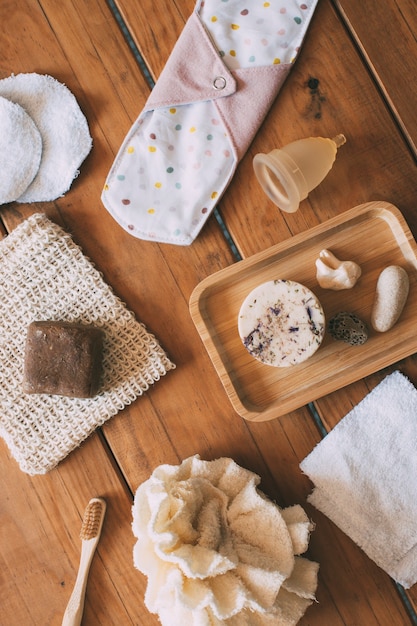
[(374, 235)]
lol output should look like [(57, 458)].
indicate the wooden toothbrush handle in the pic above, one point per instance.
[(75, 607)]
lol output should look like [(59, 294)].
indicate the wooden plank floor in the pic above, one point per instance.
[(360, 89)]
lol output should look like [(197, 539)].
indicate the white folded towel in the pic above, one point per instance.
[(365, 476)]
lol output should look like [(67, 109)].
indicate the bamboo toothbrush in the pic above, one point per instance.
[(89, 535)]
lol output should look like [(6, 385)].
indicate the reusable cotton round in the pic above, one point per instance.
[(66, 139), (20, 150), (281, 323)]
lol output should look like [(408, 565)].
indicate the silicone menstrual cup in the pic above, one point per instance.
[(287, 175)]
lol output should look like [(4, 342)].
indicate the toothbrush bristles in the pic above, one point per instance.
[(93, 518)]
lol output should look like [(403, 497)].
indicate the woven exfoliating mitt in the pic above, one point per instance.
[(44, 275)]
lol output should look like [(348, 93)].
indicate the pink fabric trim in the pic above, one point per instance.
[(244, 112), (189, 75), (190, 71)]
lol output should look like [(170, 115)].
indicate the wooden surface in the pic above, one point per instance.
[(355, 74)]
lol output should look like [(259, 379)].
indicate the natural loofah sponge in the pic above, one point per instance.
[(217, 551)]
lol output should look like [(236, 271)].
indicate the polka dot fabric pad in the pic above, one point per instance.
[(180, 154)]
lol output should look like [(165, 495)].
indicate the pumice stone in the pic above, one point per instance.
[(349, 328), (390, 297)]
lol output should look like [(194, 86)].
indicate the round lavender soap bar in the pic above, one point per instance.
[(281, 323)]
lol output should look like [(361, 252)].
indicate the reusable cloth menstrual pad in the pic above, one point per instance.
[(45, 276), (217, 86)]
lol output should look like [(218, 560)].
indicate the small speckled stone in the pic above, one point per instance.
[(349, 328)]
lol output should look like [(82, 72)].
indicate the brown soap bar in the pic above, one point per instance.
[(63, 358)]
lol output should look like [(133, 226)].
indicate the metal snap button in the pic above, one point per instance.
[(219, 82)]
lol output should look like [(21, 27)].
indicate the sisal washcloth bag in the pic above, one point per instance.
[(220, 80), (365, 476), (44, 275)]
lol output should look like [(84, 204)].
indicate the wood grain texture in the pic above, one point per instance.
[(40, 545), (80, 43), (389, 47)]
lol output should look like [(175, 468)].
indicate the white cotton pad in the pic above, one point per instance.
[(63, 127), (20, 150)]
